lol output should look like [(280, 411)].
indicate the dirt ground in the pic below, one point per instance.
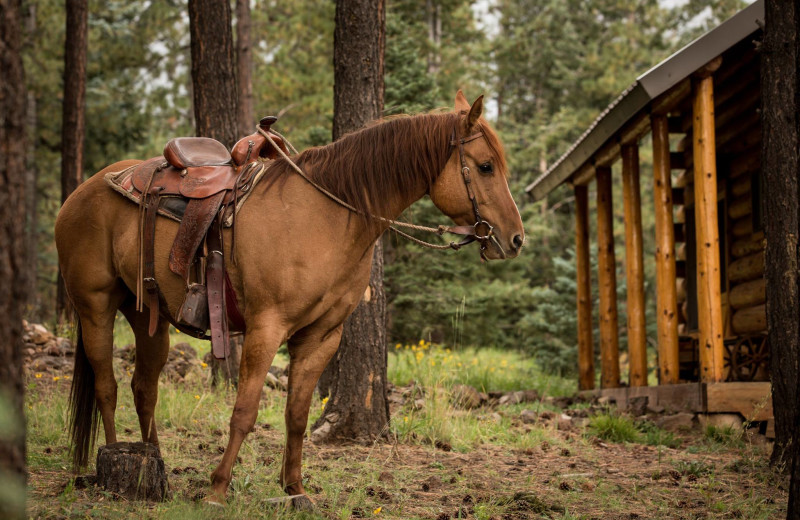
[(574, 477)]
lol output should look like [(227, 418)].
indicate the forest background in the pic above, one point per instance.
[(547, 68)]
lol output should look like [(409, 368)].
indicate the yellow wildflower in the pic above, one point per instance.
[(405, 419), (377, 510), (204, 365), (419, 356), (38, 376), (474, 361), (197, 396), (433, 363), (503, 363), (421, 342), (56, 378), (398, 346)]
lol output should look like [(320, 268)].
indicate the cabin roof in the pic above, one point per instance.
[(644, 90)]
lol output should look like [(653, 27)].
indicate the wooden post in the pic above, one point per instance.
[(709, 304), (634, 265), (607, 281), (583, 267), (666, 299)]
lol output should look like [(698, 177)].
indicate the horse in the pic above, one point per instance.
[(303, 254)]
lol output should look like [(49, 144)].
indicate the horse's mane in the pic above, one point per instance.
[(370, 167)]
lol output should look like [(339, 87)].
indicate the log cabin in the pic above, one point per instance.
[(701, 107)]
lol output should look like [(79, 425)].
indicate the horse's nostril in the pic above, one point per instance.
[(517, 241)]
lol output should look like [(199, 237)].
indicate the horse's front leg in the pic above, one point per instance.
[(310, 351), (260, 345)]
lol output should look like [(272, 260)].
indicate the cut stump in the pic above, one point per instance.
[(133, 470)]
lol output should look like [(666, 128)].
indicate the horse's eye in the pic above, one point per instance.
[(486, 168)]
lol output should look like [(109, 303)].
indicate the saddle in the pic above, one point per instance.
[(199, 183)]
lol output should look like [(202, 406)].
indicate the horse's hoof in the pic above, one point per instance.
[(212, 500), (296, 502)]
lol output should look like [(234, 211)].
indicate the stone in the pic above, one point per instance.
[(40, 335), (465, 397), (721, 420), (565, 422), (637, 406), (655, 409), (676, 422), (528, 416), (273, 382)]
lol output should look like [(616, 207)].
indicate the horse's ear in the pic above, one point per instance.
[(475, 112), (462, 105)]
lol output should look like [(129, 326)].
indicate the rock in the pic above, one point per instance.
[(677, 422), (466, 397), (637, 406), (134, 470), (606, 400), (655, 409), (40, 335), (522, 396), (419, 404), (565, 422), (273, 382), (720, 420), (528, 416), (277, 371), (320, 433)]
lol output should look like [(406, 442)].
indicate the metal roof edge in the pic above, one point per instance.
[(647, 87)]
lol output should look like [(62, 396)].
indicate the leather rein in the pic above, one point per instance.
[(481, 232)]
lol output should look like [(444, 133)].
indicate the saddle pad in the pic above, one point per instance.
[(174, 206)]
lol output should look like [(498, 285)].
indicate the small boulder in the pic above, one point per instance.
[(721, 420), (676, 422), (637, 406), (466, 397), (528, 416)]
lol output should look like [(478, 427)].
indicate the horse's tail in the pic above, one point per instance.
[(84, 416)]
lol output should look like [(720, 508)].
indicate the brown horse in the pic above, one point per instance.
[(303, 264)]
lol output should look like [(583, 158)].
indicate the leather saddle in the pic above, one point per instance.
[(203, 179)]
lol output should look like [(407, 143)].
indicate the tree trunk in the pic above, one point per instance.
[(214, 94), (31, 181), (73, 122), (244, 67), (355, 379), (213, 74), (780, 166), (13, 283), (133, 470)]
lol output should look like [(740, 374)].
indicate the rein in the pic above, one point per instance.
[(470, 233)]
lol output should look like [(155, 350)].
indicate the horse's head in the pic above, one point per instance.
[(473, 187)]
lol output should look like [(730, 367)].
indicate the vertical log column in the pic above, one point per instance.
[(607, 282), (709, 304), (634, 265), (583, 268), (667, 298)]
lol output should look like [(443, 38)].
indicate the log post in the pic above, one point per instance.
[(583, 268), (133, 470), (634, 265), (666, 300), (607, 281), (709, 304)]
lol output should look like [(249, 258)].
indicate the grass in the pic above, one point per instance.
[(494, 456)]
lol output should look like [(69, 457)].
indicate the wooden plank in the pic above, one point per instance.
[(583, 268), (709, 305), (752, 400), (667, 299), (607, 281), (634, 265), (683, 397), (740, 207)]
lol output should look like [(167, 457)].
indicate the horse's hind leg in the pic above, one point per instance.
[(260, 345), (151, 355), (97, 309), (310, 350)]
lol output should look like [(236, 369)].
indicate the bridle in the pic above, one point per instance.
[(481, 232)]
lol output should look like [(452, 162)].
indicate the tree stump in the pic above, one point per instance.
[(134, 470)]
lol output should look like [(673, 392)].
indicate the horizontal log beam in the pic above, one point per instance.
[(747, 268), (747, 246), (750, 320), (748, 294)]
